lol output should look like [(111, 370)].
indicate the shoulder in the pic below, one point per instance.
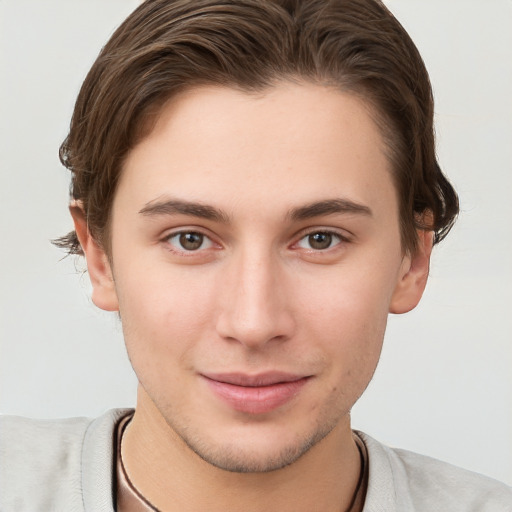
[(410, 481), (45, 462)]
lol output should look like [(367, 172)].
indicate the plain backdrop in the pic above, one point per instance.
[(444, 384)]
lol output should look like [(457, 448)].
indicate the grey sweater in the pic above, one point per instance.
[(68, 466)]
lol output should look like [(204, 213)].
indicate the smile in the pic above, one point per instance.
[(256, 394)]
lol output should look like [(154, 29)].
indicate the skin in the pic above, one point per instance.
[(258, 294)]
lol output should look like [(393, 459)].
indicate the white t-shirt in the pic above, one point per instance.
[(69, 465)]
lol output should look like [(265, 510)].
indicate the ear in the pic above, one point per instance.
[(103, 290), (413, 275)]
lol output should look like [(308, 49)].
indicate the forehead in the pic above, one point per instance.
[(287, 145)]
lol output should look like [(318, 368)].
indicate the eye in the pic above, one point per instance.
[(189, 241), (319, 241)]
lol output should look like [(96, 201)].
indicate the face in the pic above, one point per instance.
[(256, 255)]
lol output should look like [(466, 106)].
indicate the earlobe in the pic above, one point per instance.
[(103, 290), (413, 275)]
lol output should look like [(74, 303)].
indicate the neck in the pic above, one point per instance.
[(173, 478)]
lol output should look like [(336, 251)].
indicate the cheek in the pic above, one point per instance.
[(356, 338), (161, 312), (347, 321), (355, 352), (347, 298)]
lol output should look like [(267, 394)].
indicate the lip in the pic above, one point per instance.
[(255, 394)]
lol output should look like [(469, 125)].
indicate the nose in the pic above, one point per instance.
[(255, 309)]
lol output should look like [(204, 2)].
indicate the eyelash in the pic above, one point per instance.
[(204, 238), (341, 239), (331, 234)]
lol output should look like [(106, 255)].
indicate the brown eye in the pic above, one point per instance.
[(191, 241), (188, 241), (320, 241)]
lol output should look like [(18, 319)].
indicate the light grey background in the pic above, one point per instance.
[(444, 386)]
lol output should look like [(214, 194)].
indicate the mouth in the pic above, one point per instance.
[(255, 394)]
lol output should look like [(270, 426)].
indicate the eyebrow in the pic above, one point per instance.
[(177, 206), (328, 207)]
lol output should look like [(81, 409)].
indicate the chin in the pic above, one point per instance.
[(256, 451)]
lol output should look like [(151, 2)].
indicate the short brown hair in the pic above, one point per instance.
[(165, 46)]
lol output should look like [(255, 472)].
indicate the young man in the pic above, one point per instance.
[(254, 189)]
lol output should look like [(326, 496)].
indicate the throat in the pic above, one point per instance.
[(157, 471)]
